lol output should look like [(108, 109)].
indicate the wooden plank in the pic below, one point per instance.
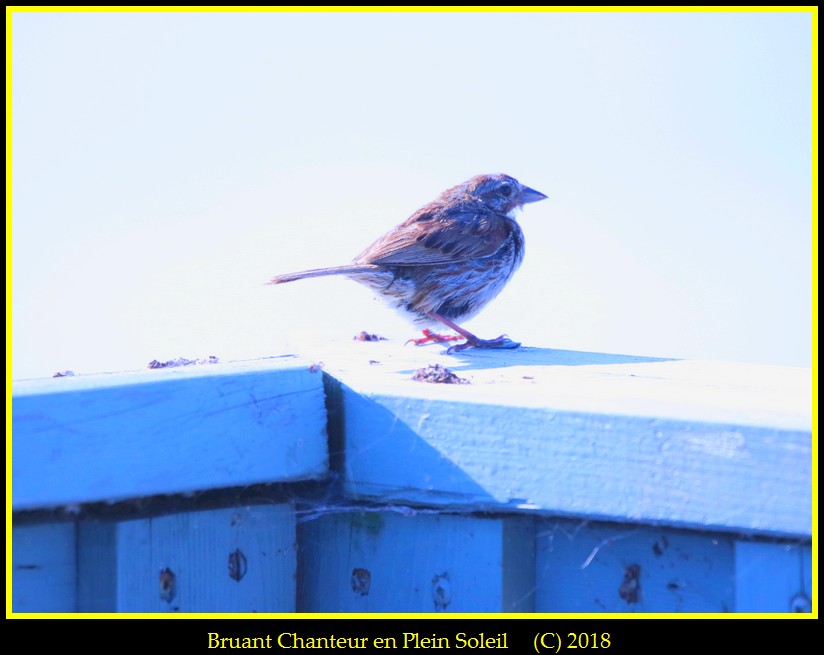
[(708, 445), (44, 568), (685, 474), (182, 562), (96, 566), (389, 562), (773, 577), (730, 393), (585, 567), (109, 437)]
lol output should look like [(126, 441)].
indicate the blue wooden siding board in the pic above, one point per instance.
[(96, 566), (682, 473), (44, 568), (585, 568), (159, 432), (196, 547), (387, 562), (773, 577)]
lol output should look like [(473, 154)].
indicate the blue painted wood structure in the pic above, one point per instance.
[(165, 431), (553, 481)]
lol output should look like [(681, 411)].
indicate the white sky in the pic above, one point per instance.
[(166, 164)]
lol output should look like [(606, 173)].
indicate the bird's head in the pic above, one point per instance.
[(501, 193)]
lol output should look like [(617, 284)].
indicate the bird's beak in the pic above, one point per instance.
[(531, 195)]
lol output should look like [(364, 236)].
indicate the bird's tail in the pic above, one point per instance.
[(320, 272)]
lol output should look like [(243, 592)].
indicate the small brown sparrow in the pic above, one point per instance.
[(448, 260)]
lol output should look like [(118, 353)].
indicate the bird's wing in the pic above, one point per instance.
[(439, 236)]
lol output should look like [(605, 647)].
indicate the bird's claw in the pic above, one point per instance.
[(431, 337), (501, 342)]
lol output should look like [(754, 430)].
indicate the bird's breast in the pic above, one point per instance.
[(457, 290)]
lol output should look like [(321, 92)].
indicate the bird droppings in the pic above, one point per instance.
[(237, 565), (660, 546), (182, 361), (441, 591), (363, 335), (437, 374), (167, 582), (63, 374), (361, 581), (631, 586)]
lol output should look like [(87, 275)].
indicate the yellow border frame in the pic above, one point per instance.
[(813, 10)]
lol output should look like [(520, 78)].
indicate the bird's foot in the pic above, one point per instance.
[(501, 342), (431, 337)]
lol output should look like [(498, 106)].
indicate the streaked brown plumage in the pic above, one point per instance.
[(449, 259)]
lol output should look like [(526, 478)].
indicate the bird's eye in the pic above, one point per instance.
[(506, 191)]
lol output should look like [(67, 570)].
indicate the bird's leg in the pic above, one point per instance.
[(471, 340), (431, 337)]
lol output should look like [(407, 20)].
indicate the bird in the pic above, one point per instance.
[(448, 260)]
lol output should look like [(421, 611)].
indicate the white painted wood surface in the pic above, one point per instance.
[(732, 393)]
